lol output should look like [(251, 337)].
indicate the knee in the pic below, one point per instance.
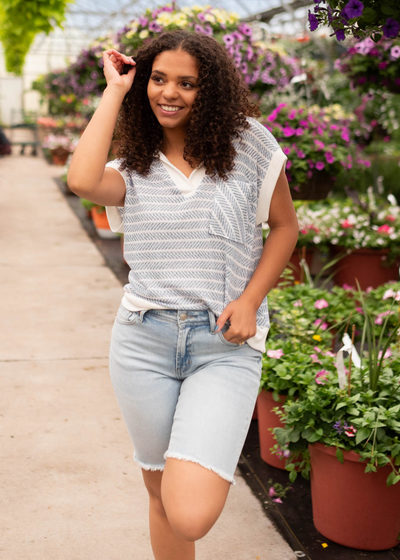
[(189, 526)]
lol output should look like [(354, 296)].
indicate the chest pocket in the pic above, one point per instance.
[(230, 212)]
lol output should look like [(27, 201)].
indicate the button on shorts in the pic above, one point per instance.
[(183, 391)]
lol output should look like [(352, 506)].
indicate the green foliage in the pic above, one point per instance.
[(21, 21)]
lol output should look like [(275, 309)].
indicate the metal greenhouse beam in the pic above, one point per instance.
[(269, 14)]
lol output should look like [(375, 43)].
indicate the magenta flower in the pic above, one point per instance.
[(292, 114), (345, 135), (288, 131), (391, 28), (329, 157), (286, 150), (228, 40), (353, 9), (321, 303), (301, 154), (319, 165), (320, 145), (271, 492), (385, 229), (347, 287), (275, 353), (315, 359), (278, 500), (321, 376), (299, 131)]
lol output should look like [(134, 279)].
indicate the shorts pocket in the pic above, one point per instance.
[(223, 339), (230, 213), (126, 316)]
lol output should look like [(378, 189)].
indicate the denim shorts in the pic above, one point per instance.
[(183, 391)]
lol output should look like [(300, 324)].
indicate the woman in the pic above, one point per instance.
[(195, 177)]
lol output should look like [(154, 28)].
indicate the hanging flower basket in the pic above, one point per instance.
[(351, 507)]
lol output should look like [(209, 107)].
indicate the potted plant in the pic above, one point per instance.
[(302, 328), (348, 431), (318, 146), (59, 147), (372, 64), (369, 233)]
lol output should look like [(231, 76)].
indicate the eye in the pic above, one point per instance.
[(189, 84), (155, 78)]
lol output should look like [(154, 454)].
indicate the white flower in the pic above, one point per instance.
[(380, 241), (144, 33), (317, 239), (334, 241)]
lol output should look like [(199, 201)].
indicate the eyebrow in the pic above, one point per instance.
[(179, 77)]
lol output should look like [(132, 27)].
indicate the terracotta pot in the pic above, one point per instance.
[(351, 507), (255, 415), (268, 419), (59, 156), (366, 265), (317, 188), (101, 224)]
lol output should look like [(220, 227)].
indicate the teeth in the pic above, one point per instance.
[(171, 109)]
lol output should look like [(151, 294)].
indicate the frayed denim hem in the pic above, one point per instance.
[(148, 467), (173, 455)]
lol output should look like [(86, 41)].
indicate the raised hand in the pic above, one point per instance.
[(114, 63)]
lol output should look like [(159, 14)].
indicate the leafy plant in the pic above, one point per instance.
[(363, 417), (21, 21), (360, 19)]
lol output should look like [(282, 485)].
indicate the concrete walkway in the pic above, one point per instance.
[(69, 488)]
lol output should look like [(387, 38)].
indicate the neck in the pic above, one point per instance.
[(173, 141)]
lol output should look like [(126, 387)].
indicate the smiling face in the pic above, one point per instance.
[(172, 88)]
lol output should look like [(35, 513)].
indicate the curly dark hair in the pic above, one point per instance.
[(218, 113)]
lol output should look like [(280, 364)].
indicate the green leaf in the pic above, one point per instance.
[(341, 405), (292, 476), (362, 434), (354, 411), (385, 9), (339, 454), (392, 479), (369, 14)]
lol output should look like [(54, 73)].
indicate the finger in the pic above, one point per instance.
[(222, 319)]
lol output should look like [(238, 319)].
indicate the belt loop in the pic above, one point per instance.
[(141, 314), (211, 316)]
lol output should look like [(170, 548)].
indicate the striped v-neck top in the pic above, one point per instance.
[(199, 251)]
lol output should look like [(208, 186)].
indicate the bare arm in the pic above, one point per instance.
[(87, 176), (277, 251)]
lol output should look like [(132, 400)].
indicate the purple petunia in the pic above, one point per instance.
[(320, 165), (198, 28), (391, 28), (228, 40), (313, 21), (245, 29), (354, 9), (340, 36), (153, 26)]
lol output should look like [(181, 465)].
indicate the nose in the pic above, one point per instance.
[(170, 91)]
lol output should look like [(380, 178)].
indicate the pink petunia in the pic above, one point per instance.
[(298, 302), (275, 353), (388, 353), (271, 492), (346, 224), (320, 165), (385, 229), (320, 323), (321, 376), (321, 303), (315, 359), (347, 286), (278, 500), (317, 348), (329, 157)]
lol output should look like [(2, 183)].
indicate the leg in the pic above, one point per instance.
[(211, 421), (194, 498), (166, 544)]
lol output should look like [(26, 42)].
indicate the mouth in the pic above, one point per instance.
[(170, 109)]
